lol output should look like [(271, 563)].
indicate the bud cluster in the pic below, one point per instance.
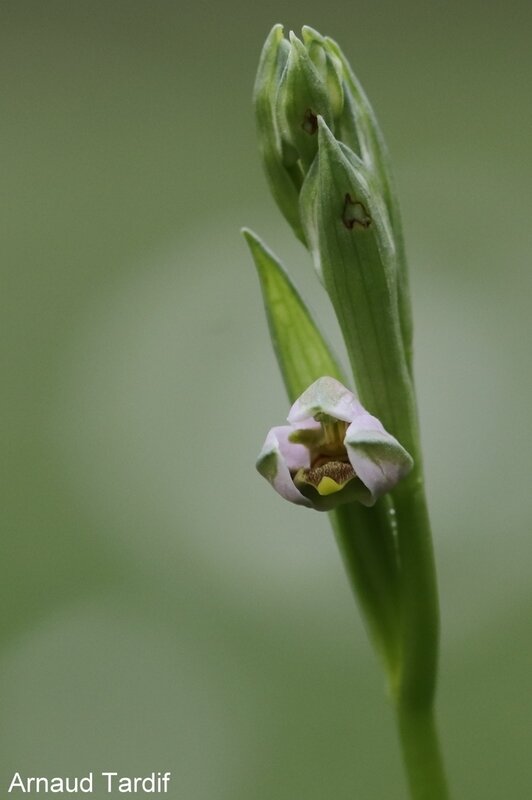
[(328, 170), (299, 80)]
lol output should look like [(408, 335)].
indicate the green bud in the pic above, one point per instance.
[(328, 67), (302, 97), (282, 171), (297, 82)]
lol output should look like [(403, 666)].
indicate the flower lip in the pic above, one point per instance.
[(332, 452)]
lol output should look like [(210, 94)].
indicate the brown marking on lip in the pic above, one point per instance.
[(340, 471)]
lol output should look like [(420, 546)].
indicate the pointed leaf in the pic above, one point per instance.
[(302, 352)]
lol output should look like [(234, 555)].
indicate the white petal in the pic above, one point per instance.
[(328, 396), (376, 456)]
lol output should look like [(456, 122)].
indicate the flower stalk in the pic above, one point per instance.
[(358, 457)]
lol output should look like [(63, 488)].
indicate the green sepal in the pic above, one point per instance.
[(372, 147), (284, 178), (359, 129), (302, 353), (349, 234)]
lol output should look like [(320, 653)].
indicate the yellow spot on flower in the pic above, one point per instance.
[(328, 486)]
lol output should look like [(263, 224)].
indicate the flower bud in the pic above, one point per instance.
[(301, 98), (292, 89), (298, 81), (282, 171)]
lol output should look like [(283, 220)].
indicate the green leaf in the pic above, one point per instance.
[(302, 352)]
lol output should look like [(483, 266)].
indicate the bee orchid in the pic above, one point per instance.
[(332, 451)]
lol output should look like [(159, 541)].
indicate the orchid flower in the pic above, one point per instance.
[(332, 451)]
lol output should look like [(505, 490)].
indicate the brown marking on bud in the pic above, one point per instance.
[(354, 214), (310, 122)]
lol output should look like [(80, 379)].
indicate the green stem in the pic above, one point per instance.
[(421, 754), (419, 601), (365, 538), (419, 639), (393, 576)]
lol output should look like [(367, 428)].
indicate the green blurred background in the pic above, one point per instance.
[(162, 609)]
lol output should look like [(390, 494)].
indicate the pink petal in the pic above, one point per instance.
[(328, 396), (376, 456), (277, 457), (295, 455)]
